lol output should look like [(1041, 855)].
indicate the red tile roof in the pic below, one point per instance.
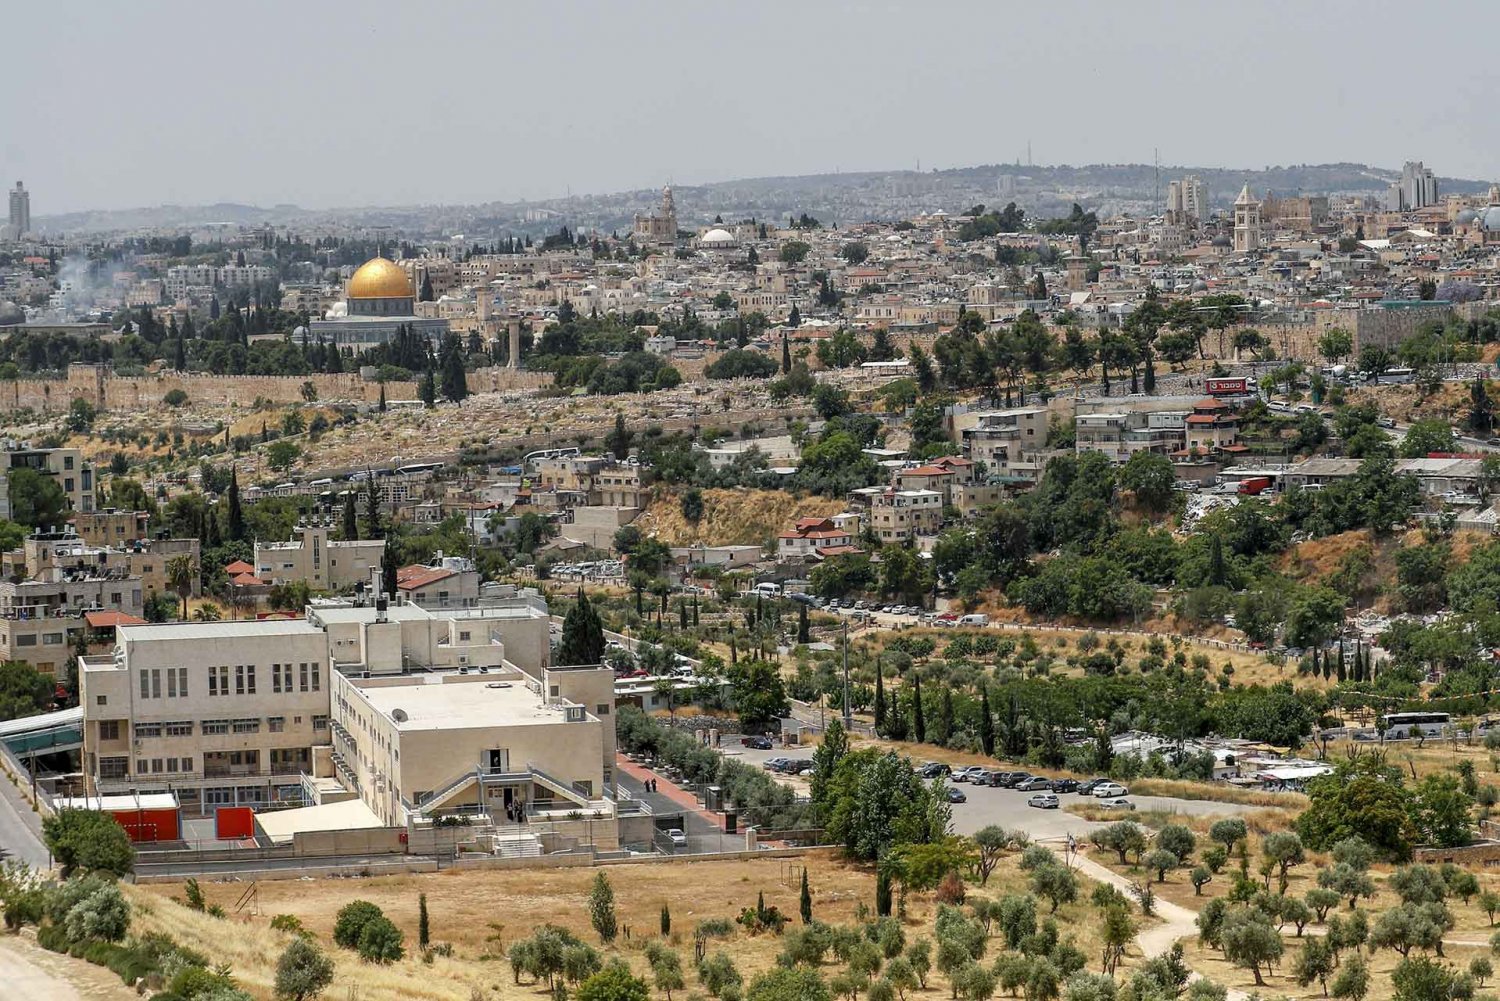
[(417, 576), (246, 580), (109, 619), (238, 567)]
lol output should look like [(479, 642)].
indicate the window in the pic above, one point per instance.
[(27, 639), (317, 680), (171, 683), (320, 722), (101, 700), (247, 726), (187, 765), (171, 764), (276, 724), (221, 796), (182, 686), (249, 679), (114, 597), (276, 679), (218, 681), (239, 679), (602, 709), (303, 668), (52, 639), (113, 768), (215, 727), (147, 730), (109, 729), (179, 729)]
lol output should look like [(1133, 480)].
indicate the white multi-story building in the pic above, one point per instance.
[(412, 711)]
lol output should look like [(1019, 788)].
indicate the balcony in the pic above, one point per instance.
[(229, 771)]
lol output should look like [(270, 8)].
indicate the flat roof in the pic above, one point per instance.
[(217, 630), (123, 801), (349, 815), (431, 703)]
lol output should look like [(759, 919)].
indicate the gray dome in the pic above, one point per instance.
[(1489, 219), (10, 314), (1200, 285), (1466, 216)]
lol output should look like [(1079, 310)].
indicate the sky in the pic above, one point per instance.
[(323, 103)]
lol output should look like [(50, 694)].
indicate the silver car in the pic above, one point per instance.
[(1043, 801)]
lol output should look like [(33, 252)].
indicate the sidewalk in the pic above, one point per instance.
[(667, 789)]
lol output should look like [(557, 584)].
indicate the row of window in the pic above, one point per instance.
[(285, 679)]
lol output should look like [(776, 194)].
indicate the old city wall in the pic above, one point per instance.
[(111, 392)]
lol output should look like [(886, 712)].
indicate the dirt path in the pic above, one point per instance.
[(1177, 922), (29, 971)]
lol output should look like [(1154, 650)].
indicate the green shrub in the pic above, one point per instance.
[(351, 921), (103, 915), (287, 923), (380, 941)]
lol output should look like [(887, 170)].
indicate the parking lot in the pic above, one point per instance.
[(1006, 807)]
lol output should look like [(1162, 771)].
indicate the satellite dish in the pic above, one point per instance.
[(399, 715)]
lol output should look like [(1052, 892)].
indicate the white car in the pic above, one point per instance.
[(1043, 801), (967, 773), (1116, 803), (677, 838), (1110, 790)]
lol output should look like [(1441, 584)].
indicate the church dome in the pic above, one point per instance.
[(380, 279), (10, 314), (718, 236), (1489, 219), (1466, 216)]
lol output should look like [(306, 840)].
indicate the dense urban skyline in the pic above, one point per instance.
[(343, 105)]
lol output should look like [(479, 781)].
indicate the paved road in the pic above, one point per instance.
[(1006, 807), (20, 828), (31, 973)]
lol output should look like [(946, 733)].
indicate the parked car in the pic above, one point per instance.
[(775, 764), (956, 795), (677, 838), (1116, 803), (967, 772), (757, 743), (1087, 788), (1014, 779), (1065, 785), (1034, 784), (983, 777), (1043, 801), (932, 769), (1109, 790)]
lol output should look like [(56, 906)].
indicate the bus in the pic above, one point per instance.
[(1399, 726)]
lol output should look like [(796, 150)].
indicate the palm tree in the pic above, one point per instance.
[(207, 612), (180, 574)]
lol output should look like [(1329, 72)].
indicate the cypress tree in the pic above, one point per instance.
[(235, 526), (802, 634), (918, 724), (882, 893), (1342, 674), (582, 634), (372, 507), (382, 398), (424, 931), (945, 718), (427, 389), (179, 355), (804, 904), (986, 722), (786, 355), (695, 609), (666, 920), (879, 699), (351, 519), (1216, 574), (682, 616), (388, 571)]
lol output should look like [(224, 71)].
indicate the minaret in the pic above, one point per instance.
[(1246, 223), (669, 212)]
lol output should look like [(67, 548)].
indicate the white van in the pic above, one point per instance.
[(768, 589), (974, 619)]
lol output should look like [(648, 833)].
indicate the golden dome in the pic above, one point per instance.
[(380, 279)]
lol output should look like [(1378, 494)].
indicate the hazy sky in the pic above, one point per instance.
[(325, 103)]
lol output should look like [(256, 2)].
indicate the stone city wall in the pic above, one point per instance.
[(111, 392)]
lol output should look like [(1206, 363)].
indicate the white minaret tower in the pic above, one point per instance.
[(1246, 223)]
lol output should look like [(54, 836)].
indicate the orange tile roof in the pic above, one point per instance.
[(238, 567), (246, 580), (410, 578), (109, 619)]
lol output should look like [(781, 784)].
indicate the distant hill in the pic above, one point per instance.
[(836, 199)]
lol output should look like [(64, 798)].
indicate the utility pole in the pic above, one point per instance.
[(848, 713)]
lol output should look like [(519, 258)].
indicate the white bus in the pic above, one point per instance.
[(1400, 726)]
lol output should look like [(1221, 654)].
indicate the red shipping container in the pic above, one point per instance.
[(149, 825), (232, 822)]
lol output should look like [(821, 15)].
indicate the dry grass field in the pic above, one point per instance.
[(480, 913)]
